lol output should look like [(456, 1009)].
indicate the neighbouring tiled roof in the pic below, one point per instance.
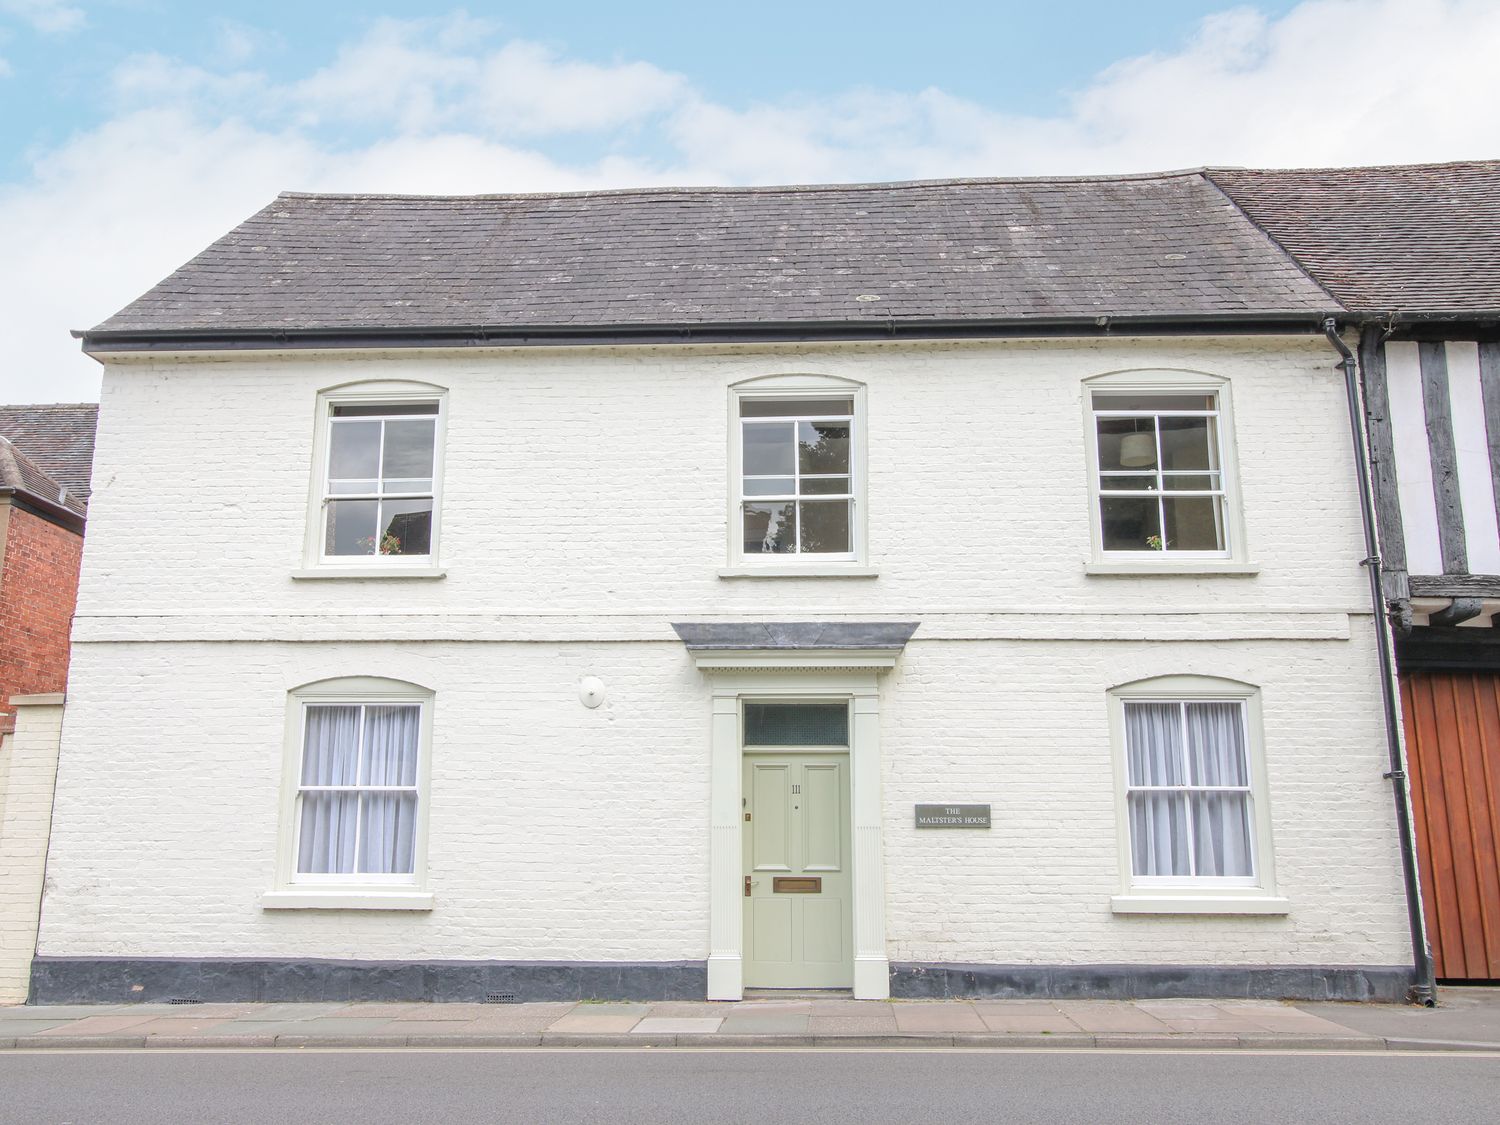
[(1412, 238), (17, 471), (1169, 245), (58, 437)]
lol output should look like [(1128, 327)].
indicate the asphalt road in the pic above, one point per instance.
[(767, 1087)]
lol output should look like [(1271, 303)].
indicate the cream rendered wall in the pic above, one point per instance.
[(584, 511), (28, 757)]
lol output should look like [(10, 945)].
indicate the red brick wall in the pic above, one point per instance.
[(38, 586)]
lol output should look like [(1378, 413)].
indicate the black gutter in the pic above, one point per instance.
[(1424, 991), (49, 510), (479, 336)]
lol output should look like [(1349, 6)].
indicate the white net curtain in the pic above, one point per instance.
[(358, 791), (1189, 790)]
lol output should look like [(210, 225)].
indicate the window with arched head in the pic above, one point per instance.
[(1161, 470), (797, 472), (1190, 764), (377, 477), (354, 800)]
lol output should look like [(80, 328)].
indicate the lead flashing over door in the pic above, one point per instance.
[(795, 644)]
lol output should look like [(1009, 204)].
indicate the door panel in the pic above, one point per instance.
[(822, 931), (797, 825), (772, 931), (822, 827), (1452, 724), (771, 791)]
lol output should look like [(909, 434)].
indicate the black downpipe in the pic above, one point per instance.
[(1424, 991)]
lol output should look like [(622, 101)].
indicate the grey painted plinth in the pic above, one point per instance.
[(111, 980), (916, 981)]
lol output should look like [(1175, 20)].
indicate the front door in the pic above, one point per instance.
[(798, 920)]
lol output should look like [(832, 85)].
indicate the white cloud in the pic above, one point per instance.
[(442, 106), (50, 16)]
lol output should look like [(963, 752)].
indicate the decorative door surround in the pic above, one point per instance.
[(792, 661)]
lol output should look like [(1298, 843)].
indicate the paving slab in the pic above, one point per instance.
[(102, 1025), (1027, 1022), (1031, 1007), (851, 1007), (851, 1025), (10, 1028), (937, 1018), (434, 1027), (388, 1010), (174, 1026), (447, 1012), (1291, 1021), (1462, 1015), (695, 1008), (517, 1023), (767, 1023), (291, 1027), (59, 1011), (1222, 1025), (290, 1011), (1104, 1016), (601, 1019), (676, 1025)]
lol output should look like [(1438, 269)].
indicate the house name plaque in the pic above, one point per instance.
[(953, 816)]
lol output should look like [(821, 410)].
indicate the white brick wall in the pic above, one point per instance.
[(585, 510)]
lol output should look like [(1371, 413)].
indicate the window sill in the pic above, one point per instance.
[(1199, 904), (370, 899), (1185, 567), (369, 572), (824, 570)]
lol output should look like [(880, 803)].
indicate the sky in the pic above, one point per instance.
[(135, 132)]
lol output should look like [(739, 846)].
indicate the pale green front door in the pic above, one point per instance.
[(798, 918)]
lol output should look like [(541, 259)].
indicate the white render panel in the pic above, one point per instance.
[(28, 758), (563, 833), (1476, 485), (584, 510), (1403, 369)]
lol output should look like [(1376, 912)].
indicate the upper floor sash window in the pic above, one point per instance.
[(379, 492), (1159, 474), (797, 476)]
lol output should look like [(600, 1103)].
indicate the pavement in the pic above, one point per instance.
[(1465, 1019)]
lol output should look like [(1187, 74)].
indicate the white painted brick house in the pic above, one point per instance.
[(437, 637)]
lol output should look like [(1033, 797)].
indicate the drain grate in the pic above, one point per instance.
[(183, 1000), (500, 998)]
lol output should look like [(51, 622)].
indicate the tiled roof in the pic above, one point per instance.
[(20, 472), (58, 439), (1167, 245), (1412, 238)]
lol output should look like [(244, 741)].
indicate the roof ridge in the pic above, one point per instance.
[(46, 405), (756, 189), (1210, 169)]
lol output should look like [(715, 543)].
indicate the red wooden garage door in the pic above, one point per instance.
[(1453, 742)]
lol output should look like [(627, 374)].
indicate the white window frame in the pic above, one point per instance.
[(854, 563), (317, 564), (1233, 558), (1145, 894), (295, 890)]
